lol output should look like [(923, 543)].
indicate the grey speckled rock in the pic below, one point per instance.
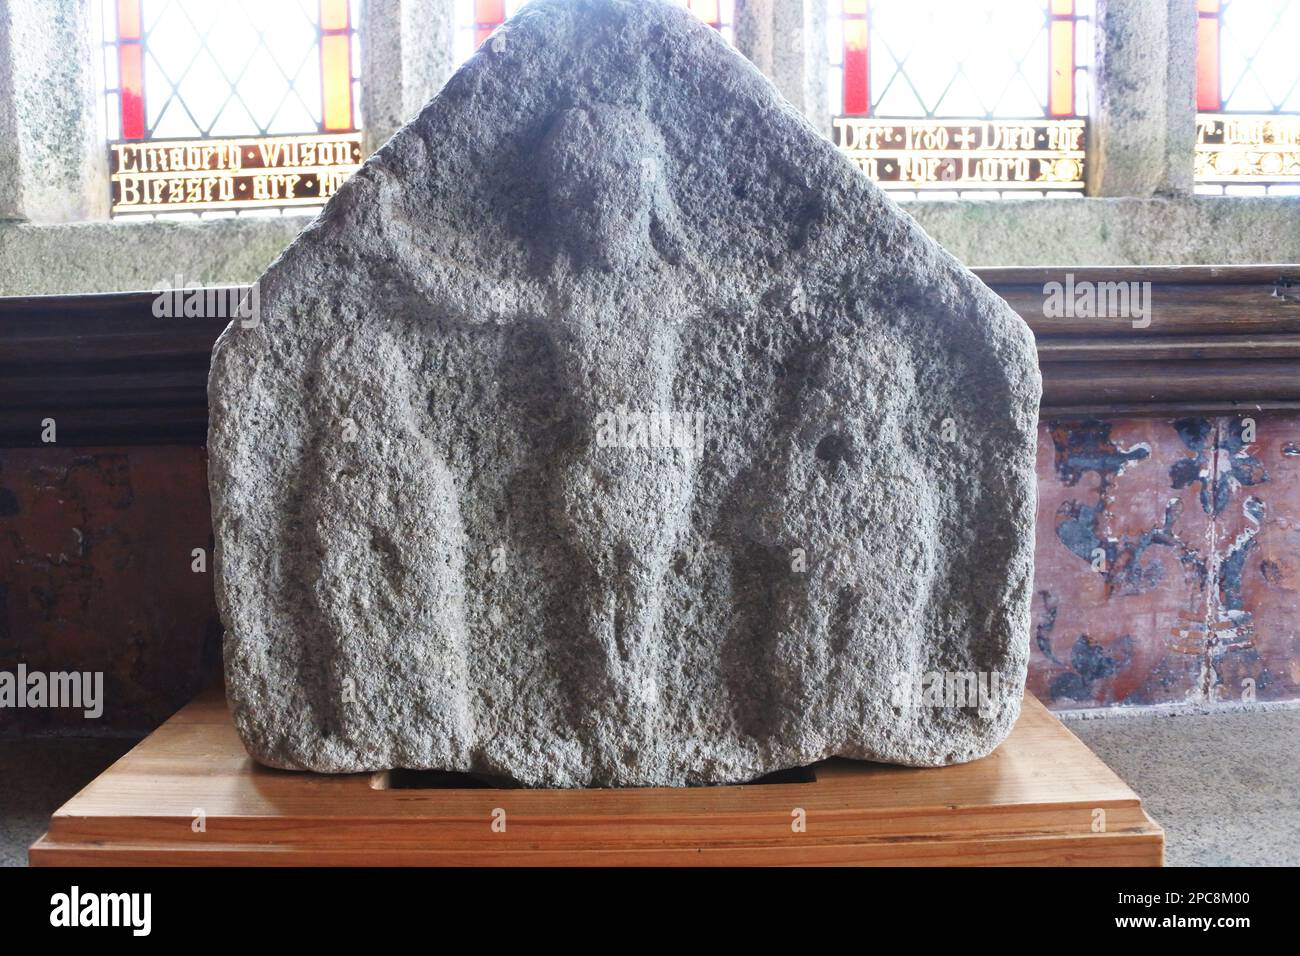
[(608, 428)]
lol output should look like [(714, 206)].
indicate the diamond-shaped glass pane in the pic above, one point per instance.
[(174, 122), (1259, 44), (978, 58), (234, 120), (173, 40), (204, 90), (267, 77)]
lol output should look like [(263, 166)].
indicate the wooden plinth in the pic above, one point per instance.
[(1040, 798)]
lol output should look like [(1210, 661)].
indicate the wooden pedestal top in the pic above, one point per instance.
[(190, 795)]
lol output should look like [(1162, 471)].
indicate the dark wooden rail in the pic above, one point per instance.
[(1220, 339)]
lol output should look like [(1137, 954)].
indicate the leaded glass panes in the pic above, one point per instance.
[(238, 106), (1248, 97), (941, 99)]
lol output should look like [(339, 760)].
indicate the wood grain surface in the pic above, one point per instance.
[(1037, 800)]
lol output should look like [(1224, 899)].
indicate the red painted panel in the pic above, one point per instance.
[(96, 545), (1167, 566)]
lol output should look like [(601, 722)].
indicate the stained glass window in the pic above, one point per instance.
[(478, 18), (719, 14), (982, 98), (1248, 97), (218, 108)]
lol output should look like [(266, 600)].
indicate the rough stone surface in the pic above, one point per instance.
[(429, 553)]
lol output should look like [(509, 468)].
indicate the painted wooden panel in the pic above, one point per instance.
[(96, 574), (1168, 561)]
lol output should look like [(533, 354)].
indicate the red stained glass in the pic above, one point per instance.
[(128, 19), (130, 69), (131, 86), (857, 78), (1207, 58), (489, 13)]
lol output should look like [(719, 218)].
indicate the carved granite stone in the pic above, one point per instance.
[(609, 428)]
